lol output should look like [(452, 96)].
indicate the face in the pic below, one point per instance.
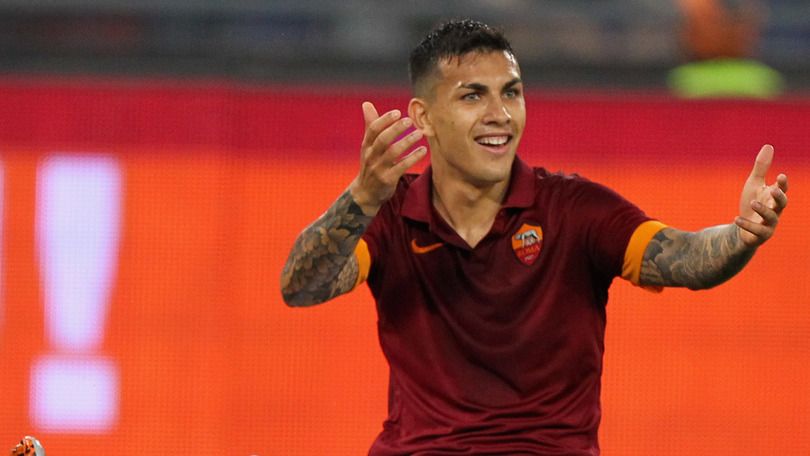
[(473, 117)]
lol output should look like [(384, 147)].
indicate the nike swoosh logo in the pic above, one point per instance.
[(417, 249)]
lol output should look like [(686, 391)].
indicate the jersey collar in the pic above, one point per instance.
[(418, 203)]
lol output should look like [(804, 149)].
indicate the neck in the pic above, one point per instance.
[(468, 208)]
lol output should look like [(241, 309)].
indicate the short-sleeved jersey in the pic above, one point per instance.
[(498, 349)]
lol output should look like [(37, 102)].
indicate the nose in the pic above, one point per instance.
[(497, 113)]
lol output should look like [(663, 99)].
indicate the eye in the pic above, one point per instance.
[(512, 93), (472, 96)]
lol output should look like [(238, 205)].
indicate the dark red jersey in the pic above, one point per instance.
[(498, 349)]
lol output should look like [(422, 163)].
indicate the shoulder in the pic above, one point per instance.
[(557, 177), (569, 184), (577, 196)]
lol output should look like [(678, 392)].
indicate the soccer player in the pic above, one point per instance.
[(491, 276)]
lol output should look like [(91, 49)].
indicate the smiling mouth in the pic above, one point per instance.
[(494, 143)]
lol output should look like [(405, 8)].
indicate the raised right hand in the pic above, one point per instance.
[(380, 162)]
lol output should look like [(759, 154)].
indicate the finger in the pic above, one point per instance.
[(388, 136), (769, 216), (763, 162), (782, 182), (763, 232), (378, 125), (401, 146), (369, 113), (409, 160), (780, 198)]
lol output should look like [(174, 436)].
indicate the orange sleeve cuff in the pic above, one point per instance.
[(363, 262), (631, 269)]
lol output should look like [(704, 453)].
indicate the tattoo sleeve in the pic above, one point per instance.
[(322, 264), (697, 260)]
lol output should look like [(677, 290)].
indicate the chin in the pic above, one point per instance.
[(493, 174)]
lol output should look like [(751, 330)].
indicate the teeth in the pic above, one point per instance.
[(493, 140)]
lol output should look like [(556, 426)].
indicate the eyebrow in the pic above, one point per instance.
[(478, 87)]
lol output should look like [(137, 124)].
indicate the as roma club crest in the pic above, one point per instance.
[(527, 243)]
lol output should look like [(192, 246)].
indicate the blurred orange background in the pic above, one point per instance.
[(217, 181)]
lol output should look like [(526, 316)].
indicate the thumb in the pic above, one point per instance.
[(763, 162), (369, 113)]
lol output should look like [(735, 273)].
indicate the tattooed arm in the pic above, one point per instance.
[(322, 264), (711, 256), (694, 260)]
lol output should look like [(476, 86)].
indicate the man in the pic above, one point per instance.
[(490, 276)]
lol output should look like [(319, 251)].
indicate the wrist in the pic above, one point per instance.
[(743, 240), (368, 205)]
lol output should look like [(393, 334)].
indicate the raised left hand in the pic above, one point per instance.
[(761, 204)]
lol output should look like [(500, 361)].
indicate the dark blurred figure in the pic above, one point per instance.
[(719, 38), (28, 446)]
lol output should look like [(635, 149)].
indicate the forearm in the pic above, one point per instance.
[(696, 260), (321, 264)]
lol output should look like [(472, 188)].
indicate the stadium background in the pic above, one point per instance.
[(193, 185)]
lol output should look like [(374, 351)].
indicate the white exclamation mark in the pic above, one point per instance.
[(74, 388)]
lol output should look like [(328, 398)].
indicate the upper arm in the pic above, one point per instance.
[(347, 278), (616, 230), (664, 255), (635, 267), (355, 271)]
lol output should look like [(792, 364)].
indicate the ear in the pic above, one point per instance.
[(418, 112)]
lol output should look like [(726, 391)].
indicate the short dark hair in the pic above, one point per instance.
[(453, 39)]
